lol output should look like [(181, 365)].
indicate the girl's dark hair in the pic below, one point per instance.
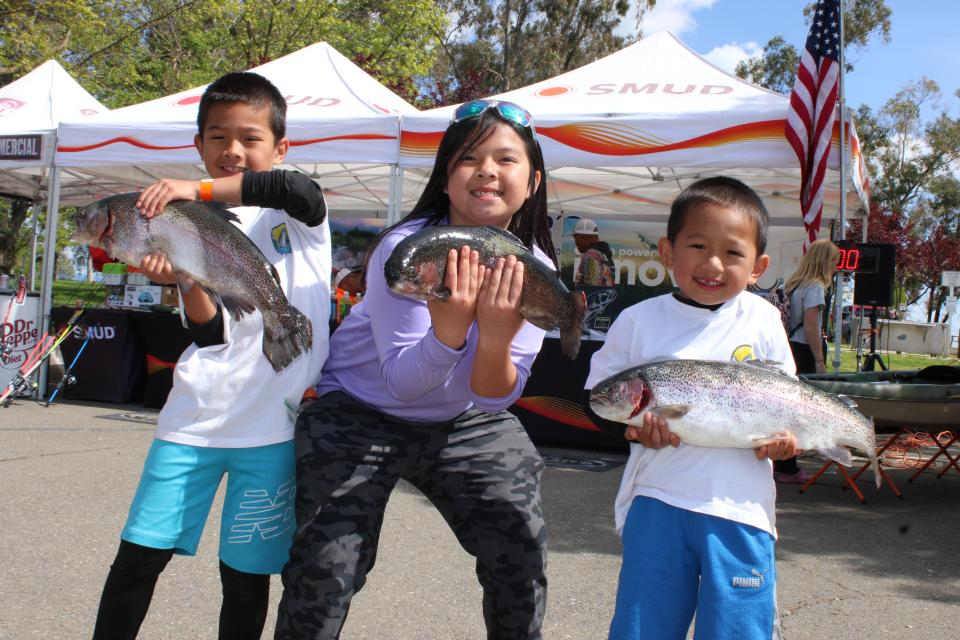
[(530, 223), (721, 191), (251, 89)]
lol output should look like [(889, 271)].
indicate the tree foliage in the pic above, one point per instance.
[(776, 66), (492, 46), (912, 162)]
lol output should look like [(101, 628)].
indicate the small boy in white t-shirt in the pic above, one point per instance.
[(698, 523)]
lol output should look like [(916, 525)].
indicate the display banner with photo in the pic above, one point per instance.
[(349, 239), (638, 273)]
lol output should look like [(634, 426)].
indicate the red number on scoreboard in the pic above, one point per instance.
[(849, 259)]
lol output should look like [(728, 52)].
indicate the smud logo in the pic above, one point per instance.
[(281, 239), (9, 104)]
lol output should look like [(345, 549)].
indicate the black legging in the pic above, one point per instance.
[(133, 576)]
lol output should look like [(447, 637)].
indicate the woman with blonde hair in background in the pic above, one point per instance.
[(807, 289)]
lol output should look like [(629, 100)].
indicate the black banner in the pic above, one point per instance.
[(111, 368), (23, 147)]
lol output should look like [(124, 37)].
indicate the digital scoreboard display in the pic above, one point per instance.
[(857, 257)]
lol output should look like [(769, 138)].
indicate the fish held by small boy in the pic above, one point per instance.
[(417, 268), (206, 249), (736, 405)]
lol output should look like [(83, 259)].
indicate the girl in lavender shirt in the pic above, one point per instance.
[(419, 390)]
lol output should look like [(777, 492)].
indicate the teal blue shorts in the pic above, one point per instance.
[(677, 562), (178, 486)]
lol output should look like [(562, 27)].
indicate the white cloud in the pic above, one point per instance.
[(675, 16), (728, 55)]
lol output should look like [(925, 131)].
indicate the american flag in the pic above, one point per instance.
[(813, 110)]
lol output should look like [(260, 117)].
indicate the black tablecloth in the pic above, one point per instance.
[(129, 358)]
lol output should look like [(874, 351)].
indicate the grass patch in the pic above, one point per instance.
[(68, 292), (893, 360)]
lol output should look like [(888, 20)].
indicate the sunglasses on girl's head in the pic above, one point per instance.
[(510, 111)]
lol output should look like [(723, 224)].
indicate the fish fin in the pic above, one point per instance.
[(571, 328), (671, 411), (838, 454), (847, 400), (768, 365), (762, 441), (507, 236), (238, 307), (276, 276), (287, 334), (203, 208), (184, 283)]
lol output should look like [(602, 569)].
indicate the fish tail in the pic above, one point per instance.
[(286, 335), (572, 326)]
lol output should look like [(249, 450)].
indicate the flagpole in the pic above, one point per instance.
[(840, 232)]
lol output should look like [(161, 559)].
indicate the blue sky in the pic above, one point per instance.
[(923, 40)]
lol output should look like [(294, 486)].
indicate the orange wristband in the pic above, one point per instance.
[(206, 189)]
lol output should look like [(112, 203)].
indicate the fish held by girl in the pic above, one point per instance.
[(736, 405), (417, 268), (205, 249)]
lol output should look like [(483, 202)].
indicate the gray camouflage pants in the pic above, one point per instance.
[(481, 472)]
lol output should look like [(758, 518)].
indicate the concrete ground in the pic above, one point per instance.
[(887, 569)]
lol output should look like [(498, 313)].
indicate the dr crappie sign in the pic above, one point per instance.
[(634, 88)]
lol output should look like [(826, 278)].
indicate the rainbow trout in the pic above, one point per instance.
[(735, 405), (418, 264), (205, 248)]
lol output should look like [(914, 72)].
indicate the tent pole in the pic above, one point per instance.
[(396, 193), (49, 253), (841, 227), (33, 251)]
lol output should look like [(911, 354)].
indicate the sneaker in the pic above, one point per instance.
[(800, 477)]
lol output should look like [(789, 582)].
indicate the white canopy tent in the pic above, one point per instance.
[(342, 124), (31, 107), (625, 134)]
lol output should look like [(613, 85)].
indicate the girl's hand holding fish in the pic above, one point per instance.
[(498, 304), (452, 317)]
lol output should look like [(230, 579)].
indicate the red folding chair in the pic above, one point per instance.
[(954, 435), (851, 480)]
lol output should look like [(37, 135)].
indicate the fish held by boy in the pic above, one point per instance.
[(417, 268), (735, 405), (204, 248)]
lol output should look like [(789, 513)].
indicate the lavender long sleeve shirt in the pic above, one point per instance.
[(386, 355)]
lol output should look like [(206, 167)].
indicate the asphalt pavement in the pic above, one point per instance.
[(886, 569)]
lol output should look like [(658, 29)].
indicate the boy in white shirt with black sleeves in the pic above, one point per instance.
[(698, 523)]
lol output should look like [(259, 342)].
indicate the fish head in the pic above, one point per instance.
[(622, 398), (93, 223), (414, 278)]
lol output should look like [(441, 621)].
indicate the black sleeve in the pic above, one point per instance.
[(209, 333), (292, 191)]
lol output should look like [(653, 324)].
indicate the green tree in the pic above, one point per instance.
[(775, 68), (491, 46), (911, 164)]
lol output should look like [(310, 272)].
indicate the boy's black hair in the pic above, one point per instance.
[(724, 192), (248, 88)]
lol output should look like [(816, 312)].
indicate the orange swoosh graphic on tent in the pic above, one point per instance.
[(615, 139), (156, 365), (134, 142), (559, 410)]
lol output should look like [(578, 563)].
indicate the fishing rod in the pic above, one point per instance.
[(67, 379), (43, 348)]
